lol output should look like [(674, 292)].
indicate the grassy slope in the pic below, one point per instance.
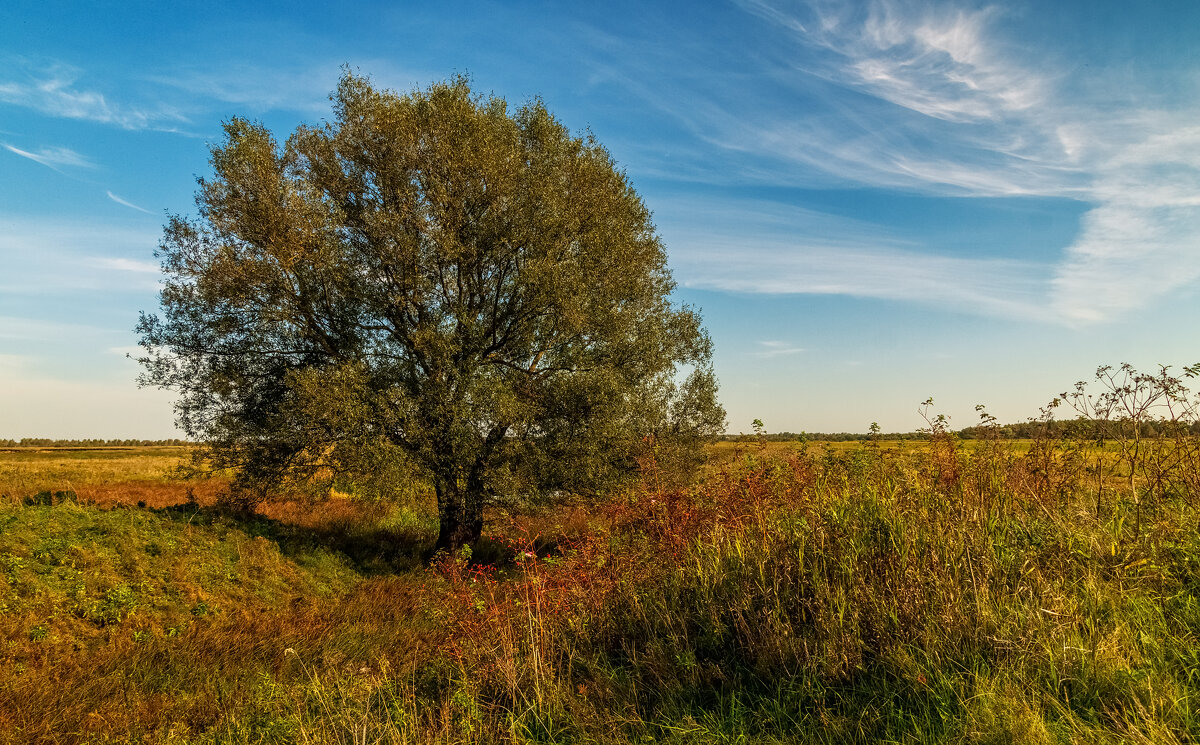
[(843, 595), (93, 599)]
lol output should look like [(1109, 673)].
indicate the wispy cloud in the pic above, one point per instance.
[(53, 157), (944, 99), (300, 88), (257, 88), (44, 257), (935, 60), (777, 349), (17, 327), (125, 203), (941, 103), (169, 100), (797, 251), (994, 287), (54, 90), (1140, 240), (128, 265)]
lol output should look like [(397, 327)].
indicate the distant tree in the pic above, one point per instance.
[(430, 284)]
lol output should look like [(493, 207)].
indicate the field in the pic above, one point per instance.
[(916, 592)]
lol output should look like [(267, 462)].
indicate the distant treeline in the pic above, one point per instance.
[(45, 442), (823, 436), (1021, 431), (1080, 427)]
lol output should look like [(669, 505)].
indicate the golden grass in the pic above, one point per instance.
[(928, 592), (106, 476)]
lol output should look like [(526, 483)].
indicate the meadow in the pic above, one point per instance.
[(938, 590)]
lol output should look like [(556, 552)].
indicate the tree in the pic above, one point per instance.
[(428, 284)]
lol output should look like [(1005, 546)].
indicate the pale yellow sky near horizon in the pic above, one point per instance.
[(63, 409)]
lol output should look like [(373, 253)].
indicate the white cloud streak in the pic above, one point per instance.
[(256, 88), (53, 157), (776, 348), (34, 329), (44, 257), (992, 287), (168, 101), (125, 203), (939, 104), (300, 88), (797, 251), (53, 90), (127, 265)]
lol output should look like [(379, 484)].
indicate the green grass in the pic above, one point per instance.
[(69, 564), (929, 593)]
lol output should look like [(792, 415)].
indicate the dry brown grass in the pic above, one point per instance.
[(929, 593)]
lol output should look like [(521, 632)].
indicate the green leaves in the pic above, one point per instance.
[(481, 291)]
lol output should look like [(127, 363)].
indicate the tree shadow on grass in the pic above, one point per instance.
[(376, 539), (371, 543)]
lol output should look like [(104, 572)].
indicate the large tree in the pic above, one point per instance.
[(429, 284)]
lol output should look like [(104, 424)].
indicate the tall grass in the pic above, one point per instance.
[(865, 597), (936, 592)]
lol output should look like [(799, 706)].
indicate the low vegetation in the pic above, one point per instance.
[(916, 592), (88, 443)]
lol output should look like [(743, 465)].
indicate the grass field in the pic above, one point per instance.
[(982, 592), (105, 476)]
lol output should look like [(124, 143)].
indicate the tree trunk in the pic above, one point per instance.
[(460, 516), (460, 508)]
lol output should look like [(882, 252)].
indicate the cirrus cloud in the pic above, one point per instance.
[(52, 157), (946, 103)]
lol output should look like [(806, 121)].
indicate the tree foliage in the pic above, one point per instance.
[(427, 284)]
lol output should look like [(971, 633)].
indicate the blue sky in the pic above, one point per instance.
[(872, 202)]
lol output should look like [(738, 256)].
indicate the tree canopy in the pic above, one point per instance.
[(428, 284)]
